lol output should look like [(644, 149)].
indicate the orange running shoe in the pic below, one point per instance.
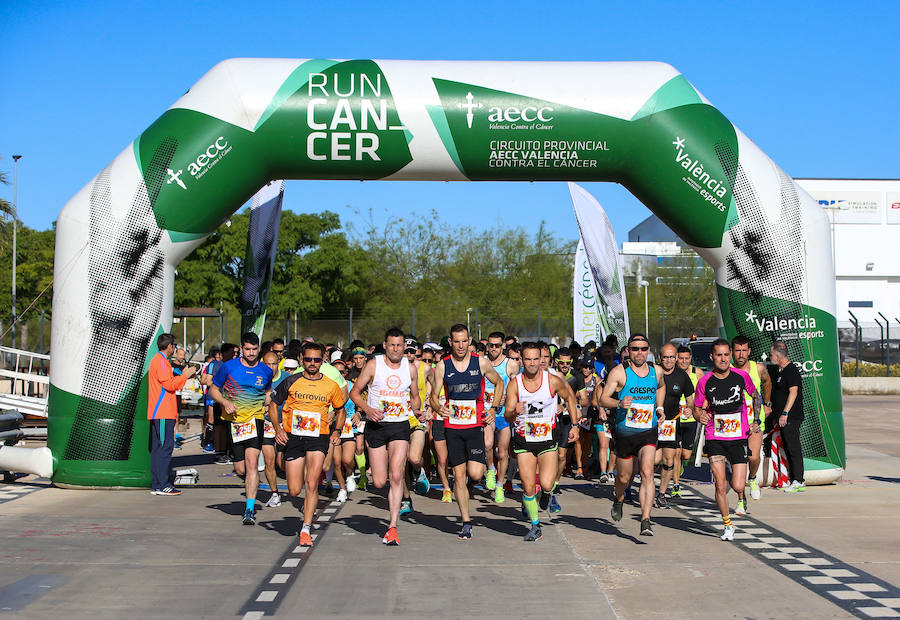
[(391, 538), (305, 539)]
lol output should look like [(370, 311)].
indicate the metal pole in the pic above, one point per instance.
[(184, 332), (881, 329), (646, 313), (16, 159), (413, 322), (351, 327), (225, 325), (887, 348), (662, 311), (856, 332), (539, 324), (42, 332), (477, 331)]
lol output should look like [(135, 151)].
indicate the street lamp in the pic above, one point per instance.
[(468, 327), (16, 159), (646, 286)]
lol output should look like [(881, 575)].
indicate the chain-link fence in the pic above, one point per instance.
[(871, 350)]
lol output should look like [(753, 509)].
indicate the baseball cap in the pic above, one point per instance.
[(411, 345), (335, 355), (290, 364), (586, 361), (433, 346)]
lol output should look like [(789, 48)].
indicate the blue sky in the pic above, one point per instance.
[(814, 84)]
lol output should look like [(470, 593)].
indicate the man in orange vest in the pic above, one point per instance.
[(162, 411)]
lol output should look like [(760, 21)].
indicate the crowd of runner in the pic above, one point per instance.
[(461, 413)]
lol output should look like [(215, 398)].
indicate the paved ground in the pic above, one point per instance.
[(828, 553)]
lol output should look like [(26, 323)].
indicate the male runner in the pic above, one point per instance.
[(686, 429), (272, 360), (506, 368), (564, 370), (305, 398), (438, 438), (740, 353), (393, 392), (417, 432), (461, 374), (678, 387), (240, 386), (719, 405), (532, 408), (640, 388)]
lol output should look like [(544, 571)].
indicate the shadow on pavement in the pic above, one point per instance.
[(593, 524)]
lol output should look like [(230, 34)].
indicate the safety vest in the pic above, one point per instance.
[(693, 375)]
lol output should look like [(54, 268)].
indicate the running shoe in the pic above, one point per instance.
[(465, 532), (579, 475), (166, 490), (422, 485), (249, 517), (305, 539), (676, 490), (754, 489), (604, 478), (557, 490), (544, 500), (554, 506), (390, 537), (274, 501), (363, 482), (646, 528), (499, 495), (728, 534), (490, 479), (208, 448), (405, 506), (661, 501), (351, 484), (341, 496), (507, 486), (616, 512), (534, 533), (792, 487), (223, 460), (447, 496), (740, 510)]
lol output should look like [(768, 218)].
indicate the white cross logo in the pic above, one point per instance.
[(173, 176), (751, 316), (678, 142), (469, 106)]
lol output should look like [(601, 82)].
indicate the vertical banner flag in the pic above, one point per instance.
[(262, 241), (587, 323), (603, 257)]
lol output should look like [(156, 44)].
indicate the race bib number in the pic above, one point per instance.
[(243, 431), (305, 423), (640, 416), (686, 412), (268, 430), (394, 411), (538, 426), (361, 427), (667, 430), (347, 430), (727, 426), (462, 413)]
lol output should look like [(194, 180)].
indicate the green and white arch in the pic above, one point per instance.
[(248, 121)]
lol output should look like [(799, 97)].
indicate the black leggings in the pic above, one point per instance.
[(790, 436)]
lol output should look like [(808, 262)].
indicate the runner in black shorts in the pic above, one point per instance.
[(678, 388), (531, 410), (462, 408)]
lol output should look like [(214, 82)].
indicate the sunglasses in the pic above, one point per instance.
[(316, 360), (495, 346), (668, 357), (278, 351), (639, 348)]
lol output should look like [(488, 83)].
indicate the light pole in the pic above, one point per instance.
[(468, 327), (646, 286), (16, 159)]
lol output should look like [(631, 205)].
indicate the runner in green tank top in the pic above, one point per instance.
[(740, 353)]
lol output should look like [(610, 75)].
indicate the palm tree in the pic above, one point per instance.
[(5, 207)]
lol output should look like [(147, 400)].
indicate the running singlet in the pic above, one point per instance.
[(305, 404), (245, 386), (687, 415), (389, 390), (536, 424), (464, 394), (753, 371), (724, 399), (489, 387), (641, 416)]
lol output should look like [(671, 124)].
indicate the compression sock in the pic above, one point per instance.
[(251, 504), (361, 462), (727, 520), (531, 507)]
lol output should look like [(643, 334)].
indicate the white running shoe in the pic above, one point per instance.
[(341, 496), (274, 501), (755, 493), (729, 533), (351, 484)]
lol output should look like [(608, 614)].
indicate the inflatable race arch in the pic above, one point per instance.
[(248, 121)]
